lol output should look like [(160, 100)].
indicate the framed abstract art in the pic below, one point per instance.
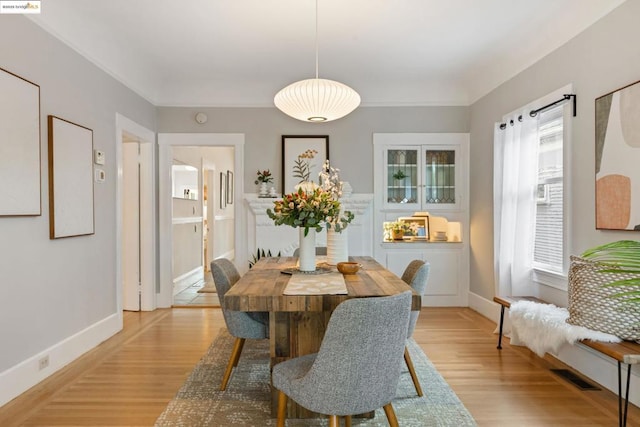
[(617, 157)]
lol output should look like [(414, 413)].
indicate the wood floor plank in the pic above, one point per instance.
[(129, 379)]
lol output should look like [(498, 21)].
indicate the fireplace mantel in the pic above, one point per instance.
[(264, 234)]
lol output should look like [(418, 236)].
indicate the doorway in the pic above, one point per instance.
[(136, 220), (227, 199)]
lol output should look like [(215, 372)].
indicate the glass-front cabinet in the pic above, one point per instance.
[(425, 176), (422, 177), (402, 175)]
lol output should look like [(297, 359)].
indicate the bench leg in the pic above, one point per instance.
[(500, 331), (622, 416)]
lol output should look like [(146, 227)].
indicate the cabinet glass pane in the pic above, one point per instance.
[(440, 176), (402, 176)]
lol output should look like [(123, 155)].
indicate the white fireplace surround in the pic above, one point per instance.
[(262, 233)]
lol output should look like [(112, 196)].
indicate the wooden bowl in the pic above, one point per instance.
[(348, 267)]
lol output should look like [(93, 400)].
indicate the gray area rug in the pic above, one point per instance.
[(246, 402)]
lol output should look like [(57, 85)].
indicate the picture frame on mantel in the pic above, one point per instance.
[(20, 177), (617, 152), (71, 211), (295, 145)]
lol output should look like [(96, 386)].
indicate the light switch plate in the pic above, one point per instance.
[(98, 157)]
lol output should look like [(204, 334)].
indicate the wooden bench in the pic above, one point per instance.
[(627, 352)]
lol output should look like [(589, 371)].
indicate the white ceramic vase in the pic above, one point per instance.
[(307, 254), (264, 191), (337, 246)]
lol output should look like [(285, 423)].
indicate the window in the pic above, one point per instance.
[(530, 227), (548, 251)]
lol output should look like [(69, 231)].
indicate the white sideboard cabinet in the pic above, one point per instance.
[(425, 173)]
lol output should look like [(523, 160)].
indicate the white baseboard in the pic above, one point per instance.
[(21, 377), (187, 279), (488, 309), (590, 363)]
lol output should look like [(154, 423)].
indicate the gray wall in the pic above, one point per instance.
[(350, 138), (52, 289), (603, 58)]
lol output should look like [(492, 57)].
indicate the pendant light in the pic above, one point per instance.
[(317, 100)]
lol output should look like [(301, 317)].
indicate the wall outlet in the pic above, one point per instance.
[(43, 362), (99, 175)]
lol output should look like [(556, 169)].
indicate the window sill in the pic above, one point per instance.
[(550, 278)]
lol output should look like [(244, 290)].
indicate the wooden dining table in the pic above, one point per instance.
[(297, 322)]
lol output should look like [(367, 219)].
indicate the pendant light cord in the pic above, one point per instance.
[(316, 39)]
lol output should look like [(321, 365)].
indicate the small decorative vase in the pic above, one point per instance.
[(337, 246), (307, 260), (346, 189), (263, 190)]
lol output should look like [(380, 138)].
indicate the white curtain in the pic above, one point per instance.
[(514, 191)]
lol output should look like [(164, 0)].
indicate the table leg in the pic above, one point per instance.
[(501, 323), (622, 416)]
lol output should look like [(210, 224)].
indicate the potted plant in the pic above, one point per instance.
[(399, 175), (395, 229)]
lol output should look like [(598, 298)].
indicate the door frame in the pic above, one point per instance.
[(165, 235), (147, 213)]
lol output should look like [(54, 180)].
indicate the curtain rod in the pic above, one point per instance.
[(565, 97), (534, 113)]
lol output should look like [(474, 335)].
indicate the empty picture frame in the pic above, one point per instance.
[(70, 179), (295, 145), (19, 146)]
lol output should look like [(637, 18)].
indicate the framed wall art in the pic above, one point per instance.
[(70, 179), (617, 152), (19, 146), (229, 187), (223, 190), (302, 159)]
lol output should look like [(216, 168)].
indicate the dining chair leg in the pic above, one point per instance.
[(412, 371), (334, 421), (239, 345), (282, 408), (391, 415), (347, 421), (233, 361)]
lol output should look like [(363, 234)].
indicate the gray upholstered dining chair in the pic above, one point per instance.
[(252, 325), (415, 275), (358, 366)]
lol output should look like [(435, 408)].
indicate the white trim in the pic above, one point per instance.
[(147, 233), (187, 220), (165, 142), (19, 378), (550, 278)]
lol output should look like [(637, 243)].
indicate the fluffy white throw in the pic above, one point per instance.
[(543, 328)]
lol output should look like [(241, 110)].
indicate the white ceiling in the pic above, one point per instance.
[(241, 52)]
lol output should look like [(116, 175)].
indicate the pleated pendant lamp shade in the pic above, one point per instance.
[(317, 100)]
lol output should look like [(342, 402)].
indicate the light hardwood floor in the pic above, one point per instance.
[(129, 379)]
